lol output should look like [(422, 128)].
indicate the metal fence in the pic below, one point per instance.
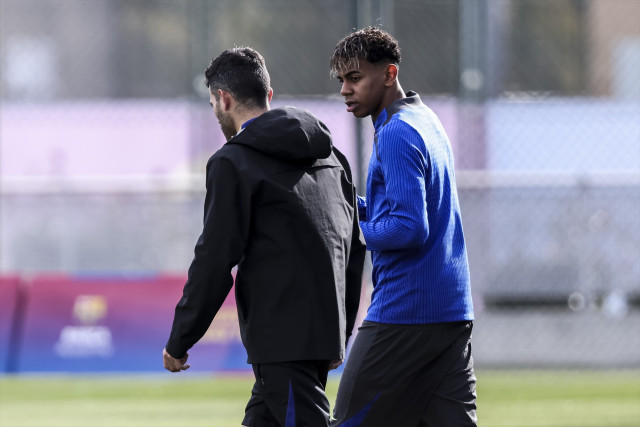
[(105, 129)]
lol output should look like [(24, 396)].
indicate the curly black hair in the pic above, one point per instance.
[(371, 44)]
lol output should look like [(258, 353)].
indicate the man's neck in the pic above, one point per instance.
[(244, 116), (390, 97)]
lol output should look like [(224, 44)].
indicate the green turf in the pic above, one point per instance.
[(505, 398), (559, 398)]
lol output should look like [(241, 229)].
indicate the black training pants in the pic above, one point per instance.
[(408, 376), (289, 394)]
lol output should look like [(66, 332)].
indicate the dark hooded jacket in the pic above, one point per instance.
[(281, 205)]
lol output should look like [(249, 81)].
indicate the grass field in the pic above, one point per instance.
[(505, 398)]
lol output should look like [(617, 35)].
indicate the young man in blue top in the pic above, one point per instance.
[(410, 364)]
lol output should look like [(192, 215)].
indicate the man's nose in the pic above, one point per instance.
[(345, 89)]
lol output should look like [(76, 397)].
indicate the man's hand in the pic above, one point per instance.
[(334, 364), (172, 364)]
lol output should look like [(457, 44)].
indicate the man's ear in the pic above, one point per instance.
[(226, 100), (390, 75), (270, 95)]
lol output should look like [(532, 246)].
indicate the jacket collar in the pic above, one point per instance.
[(411, 100)]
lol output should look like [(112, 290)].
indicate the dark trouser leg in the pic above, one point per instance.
[(289, 394), (454, 402), (393, 371)]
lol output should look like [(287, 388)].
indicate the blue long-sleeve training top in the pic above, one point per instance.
[(411, 221)]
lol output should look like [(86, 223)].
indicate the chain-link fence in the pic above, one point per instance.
[(105, 130)]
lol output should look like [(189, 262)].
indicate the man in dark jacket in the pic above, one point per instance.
[(280, 205)]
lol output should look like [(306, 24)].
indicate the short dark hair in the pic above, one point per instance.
[(371, 44), (242, 72)]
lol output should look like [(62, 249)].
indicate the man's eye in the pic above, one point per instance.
[(355, 79)]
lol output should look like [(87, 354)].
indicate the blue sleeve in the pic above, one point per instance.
[(362, 208), (403, 157)]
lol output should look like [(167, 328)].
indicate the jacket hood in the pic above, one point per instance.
[(288, 134)]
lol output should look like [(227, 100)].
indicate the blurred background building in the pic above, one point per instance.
[(105, 129)]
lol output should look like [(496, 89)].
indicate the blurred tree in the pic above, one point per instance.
[(428, 32), (159, 48), (547, 51), (295, 37), (152, 48)]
